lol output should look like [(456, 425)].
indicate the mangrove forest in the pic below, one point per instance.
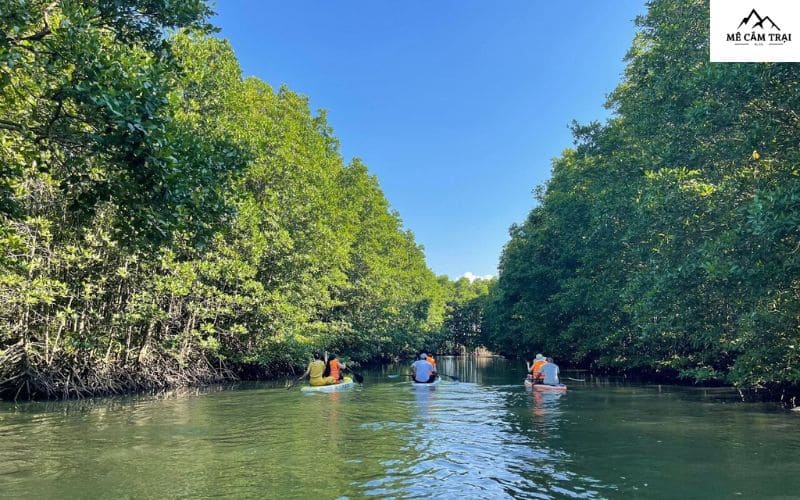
[(166, 221)]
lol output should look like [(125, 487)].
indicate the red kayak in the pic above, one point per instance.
[(543, 387)]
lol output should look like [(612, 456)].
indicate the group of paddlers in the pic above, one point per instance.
[(328, 369), (543, 371), (325, 370)]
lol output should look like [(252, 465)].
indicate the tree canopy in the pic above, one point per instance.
[(164, 220), (667, 241)]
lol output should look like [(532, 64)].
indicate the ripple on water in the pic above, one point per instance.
[(462, 445), (387, 439)]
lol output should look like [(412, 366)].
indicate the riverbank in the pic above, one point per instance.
[(84, 380), (26, 375), (788, 396)]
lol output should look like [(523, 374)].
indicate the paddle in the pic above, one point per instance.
[(357, 377), (408, 375), (291, 384), (575, 379)]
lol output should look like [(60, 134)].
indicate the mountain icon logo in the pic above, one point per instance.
[(761, 20)]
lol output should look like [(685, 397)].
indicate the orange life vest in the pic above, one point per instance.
[(334, 366), (432, 361), (537, 365)]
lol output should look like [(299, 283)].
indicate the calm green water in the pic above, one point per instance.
[(486, 437)]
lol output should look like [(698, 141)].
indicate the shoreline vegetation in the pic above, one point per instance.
[(165, 221), (666, 241)]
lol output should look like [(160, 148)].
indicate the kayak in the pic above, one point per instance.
[(430, 384), (542, 387), (346, 383)]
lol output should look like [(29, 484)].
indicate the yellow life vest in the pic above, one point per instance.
[(316, 368)]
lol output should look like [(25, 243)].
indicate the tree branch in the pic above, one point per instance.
[(11, 126)]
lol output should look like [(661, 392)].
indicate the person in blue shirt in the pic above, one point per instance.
[(422, 370), (550, 372)]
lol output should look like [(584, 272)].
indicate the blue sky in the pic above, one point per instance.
[(458, 106)]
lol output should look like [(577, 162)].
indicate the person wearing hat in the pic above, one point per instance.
[(535, 368), (422, 370)]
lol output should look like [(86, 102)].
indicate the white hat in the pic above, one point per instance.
[(423, 356), (539, 357)]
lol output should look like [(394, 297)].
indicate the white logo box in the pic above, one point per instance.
[(755, 30)]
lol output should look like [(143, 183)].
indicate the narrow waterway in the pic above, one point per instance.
[(483, 437)]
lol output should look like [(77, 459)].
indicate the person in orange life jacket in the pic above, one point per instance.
[(335, 368), (432, 361), (535, 368)]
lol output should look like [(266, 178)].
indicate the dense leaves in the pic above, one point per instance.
[(667, 240), (465, 301), (164, 221)]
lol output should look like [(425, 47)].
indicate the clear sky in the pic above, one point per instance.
[(458, 106)]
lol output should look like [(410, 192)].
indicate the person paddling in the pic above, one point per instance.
[(315, 371), (534, 368), (549, 372), (423, 371)]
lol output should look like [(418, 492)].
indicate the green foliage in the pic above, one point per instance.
[(666, 241), (87, 124), (165, 221), (465, 306)]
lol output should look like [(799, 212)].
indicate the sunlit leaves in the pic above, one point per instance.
[(667, 241)]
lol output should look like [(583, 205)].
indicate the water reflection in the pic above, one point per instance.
[(481, 370), (471, 440), (546, 411), (484, 437), (424, 397)]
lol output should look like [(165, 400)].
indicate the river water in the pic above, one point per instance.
[(483, 437)]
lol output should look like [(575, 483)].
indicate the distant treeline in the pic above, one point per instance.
[(668, 240), (165, 221)]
